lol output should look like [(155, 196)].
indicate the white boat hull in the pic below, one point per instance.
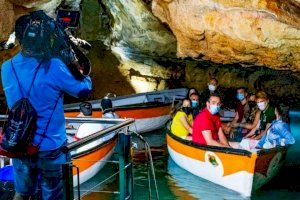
[(240, 182), (149, 124), (238, 170)]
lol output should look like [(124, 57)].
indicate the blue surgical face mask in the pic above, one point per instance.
[(214, 109), (240, 96), (194, 104)]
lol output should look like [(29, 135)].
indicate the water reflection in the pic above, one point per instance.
[(174, 183), (183, 184)]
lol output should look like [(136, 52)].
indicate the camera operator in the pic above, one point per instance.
[(35, 71)]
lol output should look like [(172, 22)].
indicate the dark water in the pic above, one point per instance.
[(176, 183)]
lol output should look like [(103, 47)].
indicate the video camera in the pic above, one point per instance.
[(69, 19), (44, 38)]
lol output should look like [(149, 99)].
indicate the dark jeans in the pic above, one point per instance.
[(237, 134), (44, 169)]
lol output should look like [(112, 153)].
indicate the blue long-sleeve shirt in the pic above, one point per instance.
[(278, 130), (53, 78)]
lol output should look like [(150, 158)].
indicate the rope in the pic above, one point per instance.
[(97, 185), (149, 156)]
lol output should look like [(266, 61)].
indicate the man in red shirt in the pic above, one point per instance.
[(207, 125)]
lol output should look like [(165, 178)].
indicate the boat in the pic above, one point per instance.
[(185, 185), (239, 170), (150, 109), (89, 159)]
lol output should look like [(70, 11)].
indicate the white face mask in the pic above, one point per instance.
[(211, 87), (262, 105)]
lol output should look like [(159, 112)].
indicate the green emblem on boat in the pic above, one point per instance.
[(212, 160)]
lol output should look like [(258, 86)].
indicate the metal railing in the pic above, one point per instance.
[(124, 160), (120, 126)]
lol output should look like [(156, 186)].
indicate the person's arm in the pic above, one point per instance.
[(210, 141), (67, 82), (254, 124), (222, 137), (234, 121), (263, 132), (186, 124)]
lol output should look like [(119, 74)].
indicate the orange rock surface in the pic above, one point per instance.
[(251, 32)]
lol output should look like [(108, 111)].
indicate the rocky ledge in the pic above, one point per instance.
[(250, 32)]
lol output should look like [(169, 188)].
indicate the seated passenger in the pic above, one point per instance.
[(182, 122), (192, 91), (207, 128), (86, 110), (278, 134), (241, 114), (107, 109), (195, 104), (212, 89), (267, 115), (242, 106), (85, 129), (250, 115)]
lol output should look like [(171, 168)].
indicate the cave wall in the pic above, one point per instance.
[(183, 44), (252, 32), (281, 86)]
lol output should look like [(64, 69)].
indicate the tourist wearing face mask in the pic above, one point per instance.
[(195, 104), (191, 91), (267, 112), (250, 115), (182, 122), (212, 86), (266, 116), (242, 113), (207, 129)]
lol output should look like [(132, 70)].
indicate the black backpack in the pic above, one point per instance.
[(21, 126), (22, 121)]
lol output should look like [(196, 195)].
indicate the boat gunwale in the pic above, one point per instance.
[(120, 108), (69, 106), (91, 150), (226, 150), (275, 149)]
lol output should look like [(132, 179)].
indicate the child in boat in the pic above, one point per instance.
[(183, 121)]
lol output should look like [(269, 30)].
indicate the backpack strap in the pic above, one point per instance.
[(34, 76), (43, 135)]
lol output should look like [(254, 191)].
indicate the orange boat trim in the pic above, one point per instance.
[(136, 113), (86, 161), (232, 163)]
